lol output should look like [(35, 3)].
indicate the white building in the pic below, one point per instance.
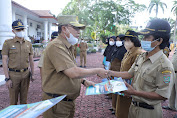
[(37, 22)]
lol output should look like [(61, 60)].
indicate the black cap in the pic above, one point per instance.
[(18, 25), (121, 36), (156, 26), (113, 38), (131, 34), (54, 35)]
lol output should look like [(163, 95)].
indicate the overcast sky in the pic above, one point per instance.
[(56, 6)]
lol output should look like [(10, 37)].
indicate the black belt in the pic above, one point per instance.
[(21, 70), (57, 95), (143, 105)]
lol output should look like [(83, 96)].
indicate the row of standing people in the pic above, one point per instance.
[(152, 72), (121, 52), (150, 86)]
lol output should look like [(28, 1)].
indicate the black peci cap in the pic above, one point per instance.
[(18, 25), (121, 36), (131, 34), (54, 35), (156, 26)]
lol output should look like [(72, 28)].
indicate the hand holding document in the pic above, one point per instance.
[(110, 86)]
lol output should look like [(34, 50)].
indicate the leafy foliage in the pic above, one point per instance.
[(98, 15)]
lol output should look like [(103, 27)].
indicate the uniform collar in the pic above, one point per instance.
[(154, 57), (68, 45), (16, 39), (133, 49)]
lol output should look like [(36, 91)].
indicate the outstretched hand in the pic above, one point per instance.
[(102, 73), (89, 83)]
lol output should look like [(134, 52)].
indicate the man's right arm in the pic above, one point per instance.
[(5, 66), (78, 73)]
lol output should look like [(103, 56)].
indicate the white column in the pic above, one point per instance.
[(45, 30), (13, 15), (50, 30), (26, 26), (5, 21)]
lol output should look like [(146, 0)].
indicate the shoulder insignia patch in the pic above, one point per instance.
[(166, 71), (166, 79)]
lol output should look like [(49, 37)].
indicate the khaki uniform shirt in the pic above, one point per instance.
[(40, 64), (152, 75), (174, 59), (83, 46), (129, 58), (58, 57), (18, 54)]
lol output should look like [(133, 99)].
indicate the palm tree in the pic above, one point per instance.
[(156, 4), (174, 10)]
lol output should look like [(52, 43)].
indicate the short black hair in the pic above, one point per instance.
[(135, 41), (60, 28), (165, 37)]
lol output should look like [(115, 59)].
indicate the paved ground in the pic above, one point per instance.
[(86, 106)]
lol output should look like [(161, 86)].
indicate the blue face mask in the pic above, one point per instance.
[(146, 45)]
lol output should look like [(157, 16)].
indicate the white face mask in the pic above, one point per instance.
[(119, 43), (111, 43), (20, 34), (71, 39)]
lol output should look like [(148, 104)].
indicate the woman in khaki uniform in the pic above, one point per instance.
[(152, 73), (132, 45), (116, 58)]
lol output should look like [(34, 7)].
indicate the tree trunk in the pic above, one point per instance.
[(175, 29)]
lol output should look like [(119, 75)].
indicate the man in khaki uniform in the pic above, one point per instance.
[(173, 97), (83, 52), (53, 36), (152, 73), (60, 75), (17, 54)]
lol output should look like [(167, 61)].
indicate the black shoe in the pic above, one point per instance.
[(113, 112), (80, 66), (110, 109), (166, 107)]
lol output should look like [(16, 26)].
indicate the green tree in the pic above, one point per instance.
[(156, 4), (174, 10), (97, 14)]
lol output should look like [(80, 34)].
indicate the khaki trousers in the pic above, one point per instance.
[(64, 109), (20, 85), (114, 101), (139, 112), (83, 55), (122, 108), (173, 96)]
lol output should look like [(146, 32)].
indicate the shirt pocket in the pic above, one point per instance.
[(27, 53), (13, 53), (148, 79)]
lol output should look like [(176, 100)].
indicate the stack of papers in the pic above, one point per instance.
[(111, 86), (2, 80), (29, 110)]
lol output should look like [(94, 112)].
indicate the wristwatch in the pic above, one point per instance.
[(7, 79)]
